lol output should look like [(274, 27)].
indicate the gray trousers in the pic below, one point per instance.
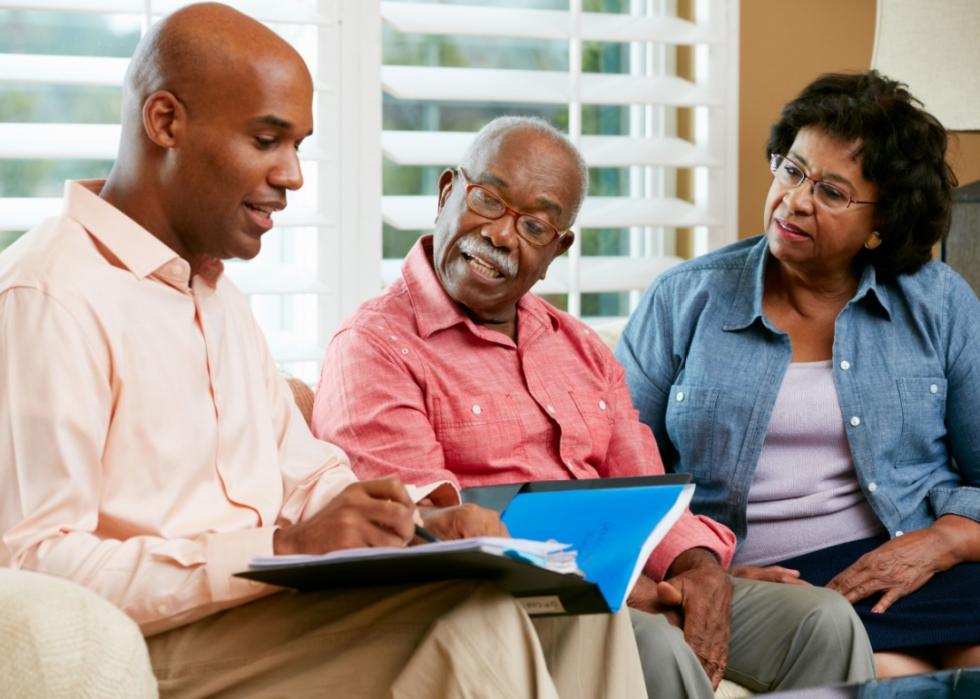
[(783, 637)]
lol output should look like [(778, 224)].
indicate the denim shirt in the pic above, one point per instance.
[(704, 366)]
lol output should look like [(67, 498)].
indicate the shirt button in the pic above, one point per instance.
[(855, 421), (476, 409), (392, 337), (872, 487), (899, 533), (551, 409), (680, 395), (602, 404), (404, 350), (934, 388), (845, 365)]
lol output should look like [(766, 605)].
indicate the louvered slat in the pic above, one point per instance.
[(540, 87), (482, 20), (264, 278), (416, 212), (447, 148), (284, 11)]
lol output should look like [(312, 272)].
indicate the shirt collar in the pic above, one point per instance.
[(435, 310), (138, 250), (747, 304)]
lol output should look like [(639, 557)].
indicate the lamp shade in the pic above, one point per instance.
[(934, 47)]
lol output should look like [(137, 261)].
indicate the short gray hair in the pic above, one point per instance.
[(496, 129)]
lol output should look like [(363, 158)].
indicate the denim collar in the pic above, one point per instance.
[(747, 305)]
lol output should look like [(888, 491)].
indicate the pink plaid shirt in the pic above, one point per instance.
[(412, 387)]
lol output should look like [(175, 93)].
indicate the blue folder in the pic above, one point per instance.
[(613, 523)]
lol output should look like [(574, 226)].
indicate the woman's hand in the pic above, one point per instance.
[(776, 574), (903, 565)]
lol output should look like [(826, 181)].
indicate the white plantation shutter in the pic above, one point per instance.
[(308, 276), (447, 69), (647, 150)]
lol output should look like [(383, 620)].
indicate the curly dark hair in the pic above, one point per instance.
[(902, 150)]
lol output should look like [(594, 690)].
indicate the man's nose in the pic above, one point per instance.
[(502, 232), (287, 172)]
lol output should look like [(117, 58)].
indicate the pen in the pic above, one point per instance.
[(423, 533)]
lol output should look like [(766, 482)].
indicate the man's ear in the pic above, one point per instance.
[(565, 243), (445, 186), (163, 118)]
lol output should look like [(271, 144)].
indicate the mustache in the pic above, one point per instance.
[(477, 247)]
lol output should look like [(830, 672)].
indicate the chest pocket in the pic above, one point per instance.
[(597, 423), (691, 425), (923, 403), (477, 430)]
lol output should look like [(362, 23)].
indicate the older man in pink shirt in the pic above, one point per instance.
[(458, 372), (149, 448)]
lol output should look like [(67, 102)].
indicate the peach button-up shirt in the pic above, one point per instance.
[(148, 445)]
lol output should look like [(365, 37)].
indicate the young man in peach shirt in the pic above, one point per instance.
[(149, 447)]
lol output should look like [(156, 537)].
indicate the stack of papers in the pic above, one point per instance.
[(550, 555)]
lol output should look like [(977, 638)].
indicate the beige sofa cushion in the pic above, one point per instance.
[(58, 639)]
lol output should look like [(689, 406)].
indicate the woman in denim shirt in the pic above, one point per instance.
[(822, 383)]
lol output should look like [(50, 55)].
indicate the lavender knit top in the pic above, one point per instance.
[(804, 495)]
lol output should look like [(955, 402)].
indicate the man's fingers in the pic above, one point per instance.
[(393, 517), (669, 595), (461, 521), (386, 489), (714, 670)]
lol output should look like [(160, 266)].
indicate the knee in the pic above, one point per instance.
[(657, 640), (828, 617)]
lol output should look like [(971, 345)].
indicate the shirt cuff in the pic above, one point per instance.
[(442, 493), (231, 552), (963, 501), (691, 531)]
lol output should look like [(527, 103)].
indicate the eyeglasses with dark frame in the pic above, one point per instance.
[(482, 202), (791, 175)]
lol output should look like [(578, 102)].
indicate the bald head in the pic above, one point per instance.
[(204, 54)]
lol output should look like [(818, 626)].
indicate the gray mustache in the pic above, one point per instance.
[(480, 248)]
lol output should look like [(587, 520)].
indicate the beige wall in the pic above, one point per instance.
[(816, 37)]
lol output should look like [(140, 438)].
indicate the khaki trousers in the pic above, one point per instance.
[(441, 640), (783, 637)]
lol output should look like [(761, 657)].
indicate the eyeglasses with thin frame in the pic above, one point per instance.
[(790, 175), (482, 202)]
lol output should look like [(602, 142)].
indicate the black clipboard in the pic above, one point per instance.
[(498, 497), (542, 592)]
